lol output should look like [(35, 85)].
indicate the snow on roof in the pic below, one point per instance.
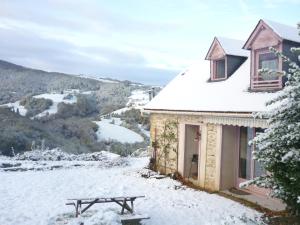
[(233, 46), (192, 92), (284, 31)]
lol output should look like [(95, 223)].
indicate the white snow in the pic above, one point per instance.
[(56, 99), (16, 106), (146, 132), (293, 153), (286, 32), (108, 131), (137, 100), (99, 79), (190, 91), (56, 154), (39, 197), (233, 46)]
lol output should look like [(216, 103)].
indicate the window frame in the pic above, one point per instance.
[(257, 54), (214, 69)]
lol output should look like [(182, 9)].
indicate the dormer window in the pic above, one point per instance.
[(225, 56), (220, 69), (259, 42)]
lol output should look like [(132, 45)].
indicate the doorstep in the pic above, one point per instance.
[(262, 200)]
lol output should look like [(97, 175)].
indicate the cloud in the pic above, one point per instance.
[(56, 55), (75, 37)]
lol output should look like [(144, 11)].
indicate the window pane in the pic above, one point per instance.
[(245, 153), (258, 170), (220, 67), (268, 61)]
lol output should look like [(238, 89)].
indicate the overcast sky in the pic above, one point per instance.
[(147, 41)]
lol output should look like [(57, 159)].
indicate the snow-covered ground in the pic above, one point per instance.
[(109, 131), (39, 197), (137, 100), (16, 106), (104, 80), (38, 160), (56, 99)]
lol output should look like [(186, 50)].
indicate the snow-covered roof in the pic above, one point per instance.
[(192, 92), (284, 31), (233, 46)]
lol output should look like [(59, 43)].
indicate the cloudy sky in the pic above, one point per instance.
[(148, 41)]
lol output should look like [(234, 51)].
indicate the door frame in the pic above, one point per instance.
[(182, 149), (251, 188)]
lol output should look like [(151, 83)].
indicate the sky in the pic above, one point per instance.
[(147, 41)]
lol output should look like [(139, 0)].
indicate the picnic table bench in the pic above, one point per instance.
[(83, 204)]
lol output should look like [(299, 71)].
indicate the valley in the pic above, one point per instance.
[(78, 114)]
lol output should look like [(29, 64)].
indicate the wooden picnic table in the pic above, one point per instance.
[(88, 202)]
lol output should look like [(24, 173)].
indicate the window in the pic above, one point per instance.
[(258, 170), (220, 69), (248, 167), (268, 61), (245, 154)]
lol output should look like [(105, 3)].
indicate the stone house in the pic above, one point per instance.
[(202, 121)]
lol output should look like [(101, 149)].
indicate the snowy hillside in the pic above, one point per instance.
[(17, 107), (56, 99), (137, 100), (109, 131)]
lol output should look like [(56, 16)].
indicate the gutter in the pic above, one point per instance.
[(199, 113)]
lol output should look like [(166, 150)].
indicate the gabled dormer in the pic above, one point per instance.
[(225, 56), (265, 35)]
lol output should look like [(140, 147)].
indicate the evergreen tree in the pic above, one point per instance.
[(278, 148)]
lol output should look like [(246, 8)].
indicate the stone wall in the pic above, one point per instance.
[(169, 164), (209, 174), (210, 166)]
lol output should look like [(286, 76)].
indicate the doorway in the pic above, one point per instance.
[(192, 151)]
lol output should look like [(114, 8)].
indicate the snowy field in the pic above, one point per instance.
[(39, 197), (16, 106), (108, 131), (56, 99), (137, 100)]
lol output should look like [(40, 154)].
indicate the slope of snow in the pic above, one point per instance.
[(108, 131), (137, 100), (16, 106), (39, 197), (190, 91), (233, 46), (286, 32), (99, 79), (56, 99)]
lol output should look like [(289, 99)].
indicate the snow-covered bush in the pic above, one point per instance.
[(57, 154), (278, 148)]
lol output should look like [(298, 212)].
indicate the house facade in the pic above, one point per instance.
[(202, 121)]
